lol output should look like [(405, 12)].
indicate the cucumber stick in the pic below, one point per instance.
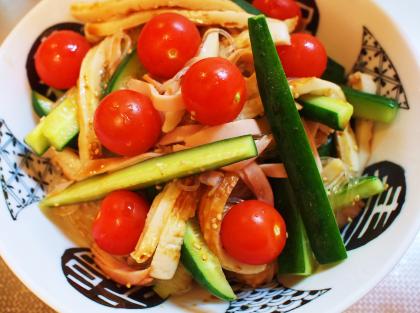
[(357, 189), (158, 170), (296, 257), (36, 139), (129, 68), (333, 112), (328, 148), (41, 105), (294, 147), (334, 72), (371, 107), (61, 125), (203, 264)]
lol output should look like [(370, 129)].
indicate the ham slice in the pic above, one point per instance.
[(179, 134), (226, 131), (256, 180)]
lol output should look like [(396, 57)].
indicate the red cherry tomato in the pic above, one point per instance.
[(280, 9), (59, 57), (126, 123), (120, 222), (305, 57), (253, 232), (214, 91), (166, 43)]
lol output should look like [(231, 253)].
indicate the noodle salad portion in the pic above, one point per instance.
[(202, 140)]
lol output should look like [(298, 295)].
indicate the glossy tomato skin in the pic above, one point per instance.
[(166, 43), (280, 9), (214, 91), (126, 123), (59, 58), (305, 57), (253, 232), (120, 222)]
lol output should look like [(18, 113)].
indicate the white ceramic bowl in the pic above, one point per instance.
[(360, 36)]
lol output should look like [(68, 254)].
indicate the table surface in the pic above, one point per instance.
[(399, 292)]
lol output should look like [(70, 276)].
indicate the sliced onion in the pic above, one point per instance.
[(188, 187), (315, 86), (159, 212), (166, 258), (211, 178), (120, 271), (256, 280), (256, 180)]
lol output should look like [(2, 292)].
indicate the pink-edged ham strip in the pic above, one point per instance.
[(226, 131), (179, 134), (162, 103), (256, 180)]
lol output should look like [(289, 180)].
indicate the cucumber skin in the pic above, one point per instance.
[(334, 72), (328, 149), (364, 187), (37, 141), (57, 123), (294, 148), (313, 110), (193, 267), (157, 170), (297, 256), (247, 7), (372, 107), (121, 72), (41, 105)]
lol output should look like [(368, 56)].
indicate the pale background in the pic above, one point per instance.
[(399, 292)]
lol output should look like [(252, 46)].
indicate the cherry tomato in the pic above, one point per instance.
[(214, 91), (305, 57), (166, 43), (120, 222), (126, 123), (280, 9), (59, 57), (253, 232)]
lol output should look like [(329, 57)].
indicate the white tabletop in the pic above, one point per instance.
[(399, 292)]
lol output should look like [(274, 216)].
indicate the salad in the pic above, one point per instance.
[(203, 141)]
